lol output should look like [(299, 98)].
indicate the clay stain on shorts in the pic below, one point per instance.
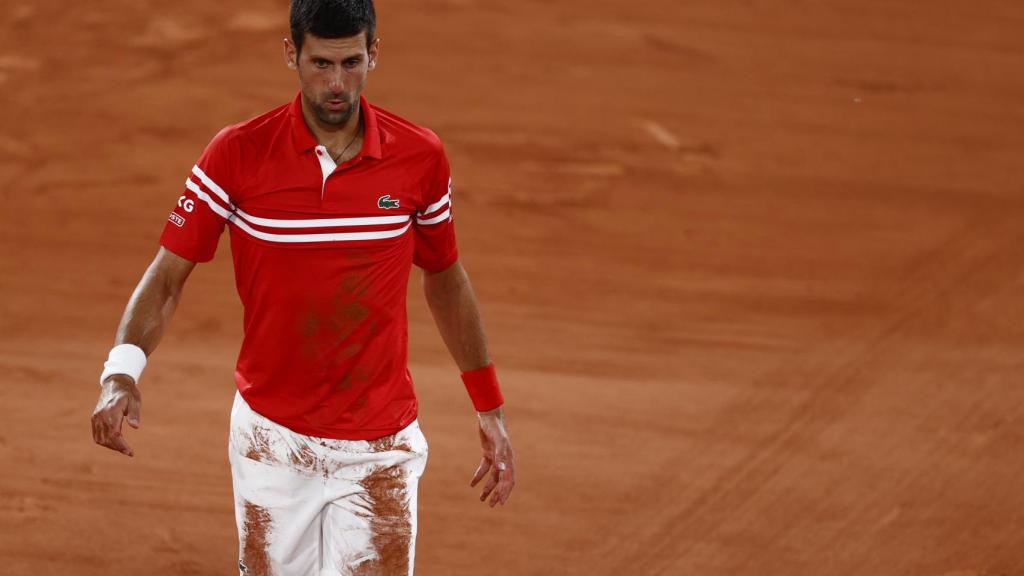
[(254, 550), (390, 522), (389, 516), (304, 458), (387, 444), (259, 446)]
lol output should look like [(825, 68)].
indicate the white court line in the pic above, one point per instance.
[(662, 135)]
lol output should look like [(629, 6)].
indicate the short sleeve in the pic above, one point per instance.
[(195, 224), (435, 226)]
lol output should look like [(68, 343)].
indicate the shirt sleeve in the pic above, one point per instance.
[(195, 224), (434, 225)]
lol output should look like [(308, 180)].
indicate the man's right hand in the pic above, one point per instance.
[(119, 399)]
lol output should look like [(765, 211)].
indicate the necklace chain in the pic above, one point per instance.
[(349, 145)]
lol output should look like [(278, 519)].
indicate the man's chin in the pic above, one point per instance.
[(334, 117)]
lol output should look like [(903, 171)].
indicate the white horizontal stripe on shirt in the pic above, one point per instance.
[(298, 223), (436, 205), (293, 238), (440, 217), (212, 185), (326, 237), (206, 198), (323, 222)]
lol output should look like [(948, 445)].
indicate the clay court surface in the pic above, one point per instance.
[(752, 271)]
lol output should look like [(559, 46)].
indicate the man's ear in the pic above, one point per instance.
[(374, 53), (291, 55)]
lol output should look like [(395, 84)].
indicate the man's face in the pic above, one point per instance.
[(332, 72)]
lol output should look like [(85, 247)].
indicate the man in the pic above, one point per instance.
[(329, 202)]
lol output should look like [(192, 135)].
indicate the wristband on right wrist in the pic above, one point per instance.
[(127, 359), (482, 385)]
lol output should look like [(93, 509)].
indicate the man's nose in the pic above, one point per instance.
[(336, 81)]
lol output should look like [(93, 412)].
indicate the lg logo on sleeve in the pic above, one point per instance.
[(186, 204)]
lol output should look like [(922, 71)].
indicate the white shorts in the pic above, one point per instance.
[(309, 506)]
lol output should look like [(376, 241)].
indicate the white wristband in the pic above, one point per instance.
[(127, 359)]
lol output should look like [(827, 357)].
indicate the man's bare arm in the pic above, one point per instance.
[(453, 305), (145, 319)]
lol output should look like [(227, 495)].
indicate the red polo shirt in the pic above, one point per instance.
[(322, 255)]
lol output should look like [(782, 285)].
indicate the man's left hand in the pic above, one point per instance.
[(498, 458)]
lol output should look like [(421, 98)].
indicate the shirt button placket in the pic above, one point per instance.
[(327, 167)]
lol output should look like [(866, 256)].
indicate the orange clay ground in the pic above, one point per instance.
[(753, 273)]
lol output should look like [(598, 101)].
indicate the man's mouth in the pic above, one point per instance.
[(335, 104)]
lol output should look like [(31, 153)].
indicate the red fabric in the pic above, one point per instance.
[(482, 385), (322, 267)]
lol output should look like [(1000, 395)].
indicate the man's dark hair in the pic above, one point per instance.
[(332, 19)]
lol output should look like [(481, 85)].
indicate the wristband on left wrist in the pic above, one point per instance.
[(483, 388)]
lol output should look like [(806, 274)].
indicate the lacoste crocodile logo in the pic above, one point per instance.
[(386, 202)]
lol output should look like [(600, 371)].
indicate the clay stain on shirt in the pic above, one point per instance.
[(329, 325), (357, 375)]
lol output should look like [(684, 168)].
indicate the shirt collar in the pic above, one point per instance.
[(304, 140)]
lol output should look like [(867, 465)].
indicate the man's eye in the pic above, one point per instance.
[(321, 63), (352, 63)]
